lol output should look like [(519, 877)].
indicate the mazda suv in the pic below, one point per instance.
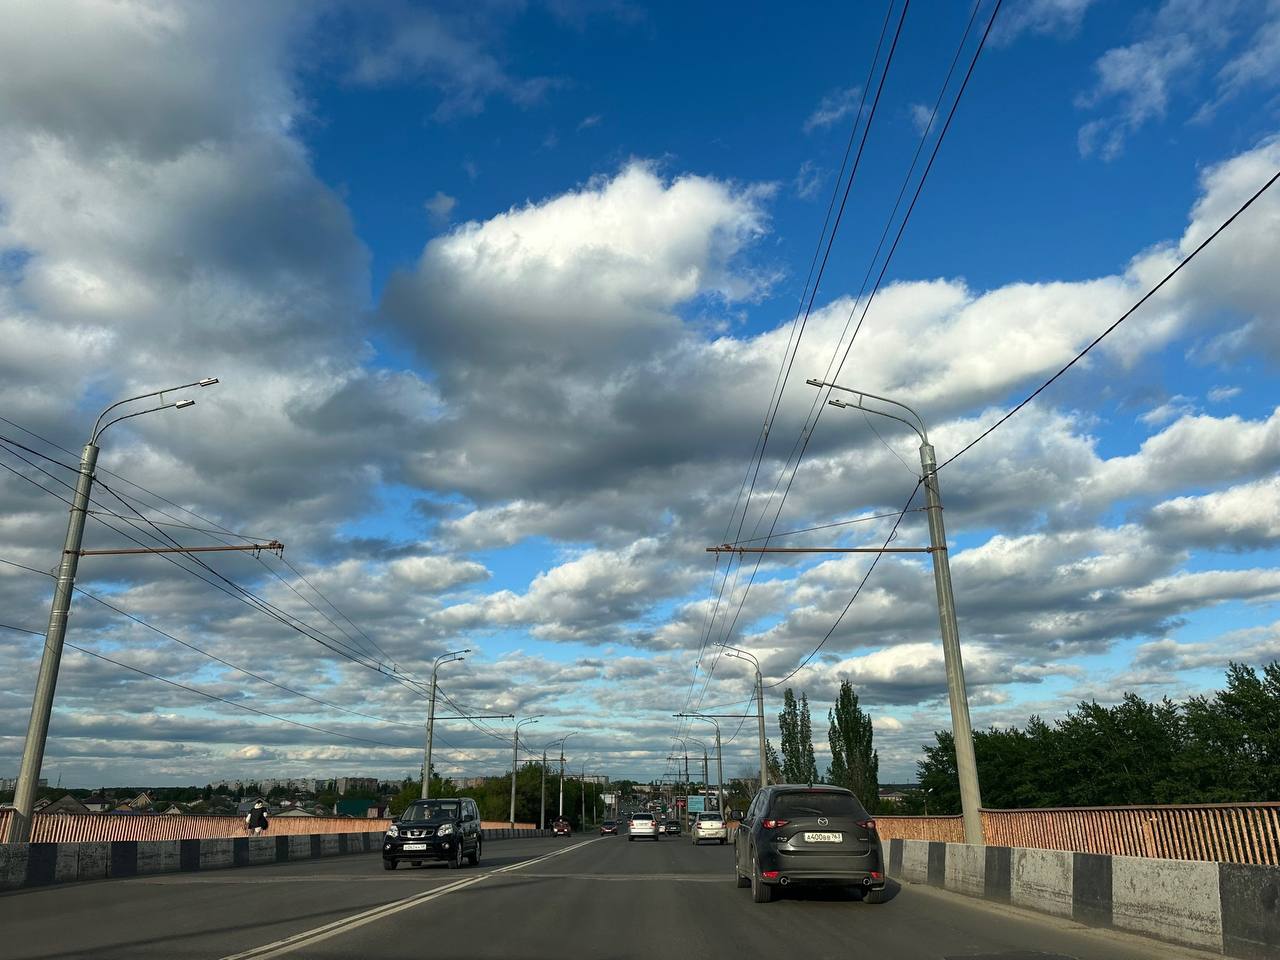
[(808, 835)]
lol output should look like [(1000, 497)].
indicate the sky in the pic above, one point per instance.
[(499, 293)]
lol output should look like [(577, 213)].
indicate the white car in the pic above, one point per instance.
[(643, 825), (709, 826)]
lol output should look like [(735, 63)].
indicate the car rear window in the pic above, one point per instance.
[(819, 803), (642, 816), (708, 816)]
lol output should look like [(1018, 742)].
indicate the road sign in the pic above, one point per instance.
[(697, 804)]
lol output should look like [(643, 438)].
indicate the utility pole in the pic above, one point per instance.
[(743, 655), (542, 807), (719, 756), (515, 762), (966, 764), (451, 657), (51, 658)]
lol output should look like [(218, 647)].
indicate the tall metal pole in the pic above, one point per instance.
[(719, 756), (450, 657), (966, 762), (515, 758), (42, 704), (24, 795), (962, 732), (542, 809)]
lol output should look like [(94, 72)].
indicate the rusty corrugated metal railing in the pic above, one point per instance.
[(1227, 832), (101, 827), (948, 829)]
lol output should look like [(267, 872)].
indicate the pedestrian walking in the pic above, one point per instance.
[(256, 819)]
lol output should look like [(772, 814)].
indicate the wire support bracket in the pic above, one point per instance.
[(731, 548), (273, 546)]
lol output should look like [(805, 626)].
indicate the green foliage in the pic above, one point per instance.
[(1219, 749), (854, 761), (796, 729)]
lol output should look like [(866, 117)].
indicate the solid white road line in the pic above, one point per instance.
[(309, 937)]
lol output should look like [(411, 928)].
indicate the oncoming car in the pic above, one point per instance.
[(609, 826), (643, 825), (447, 830), (561, 828), (794, 834)]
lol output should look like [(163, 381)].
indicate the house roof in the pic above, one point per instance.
[(67, 805)]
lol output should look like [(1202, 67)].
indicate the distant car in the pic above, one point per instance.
[(447, 830), (609, 826), (709, 826), (561, 828), (671, 828), (643, 825), (794, 834)]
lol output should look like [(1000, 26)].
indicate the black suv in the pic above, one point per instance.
[(794, 834), (447, 829)]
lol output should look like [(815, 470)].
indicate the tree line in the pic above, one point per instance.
[(854, 764), (1218, 748)]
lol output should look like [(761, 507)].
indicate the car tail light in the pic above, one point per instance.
[(875, 874), (769, 874), (774, 824), (867, 824)]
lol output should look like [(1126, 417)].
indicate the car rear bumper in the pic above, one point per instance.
[(865, 870), (720, 834)]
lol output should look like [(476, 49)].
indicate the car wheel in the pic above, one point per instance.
[(742, 881), (474, 857), (876, 896), (630, 838), (389, 864), (761, 892), (722, 841), (455, 861)]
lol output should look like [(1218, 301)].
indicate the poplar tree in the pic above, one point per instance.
[(854, 761)]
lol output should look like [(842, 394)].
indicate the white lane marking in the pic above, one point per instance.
[(309, 937)]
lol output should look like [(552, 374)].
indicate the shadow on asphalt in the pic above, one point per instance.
[(831, 894)]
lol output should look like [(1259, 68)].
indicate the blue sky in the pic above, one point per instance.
[(498, 291)]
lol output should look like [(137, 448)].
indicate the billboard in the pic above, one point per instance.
[(697, 804)]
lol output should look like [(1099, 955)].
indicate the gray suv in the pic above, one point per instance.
[(796, 834)]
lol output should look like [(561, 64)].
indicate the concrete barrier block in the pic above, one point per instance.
[(915, 861), (1250, 903), (300, 847), (215, 854), (999, 870), (67, 862), (159, 856), (93, 860), (1091, 889), (262, 849), (13, 865), (1042, 880), (966, 869), (1171, 899), (329, 845)]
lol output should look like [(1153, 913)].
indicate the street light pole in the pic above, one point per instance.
[(560, 808), (47, 680), (515, 759), (719, 757), (743, 655), (451, 657), (542, 813), (966, 763)]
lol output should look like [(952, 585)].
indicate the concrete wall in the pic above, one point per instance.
[(1229, 908), (34, 864)]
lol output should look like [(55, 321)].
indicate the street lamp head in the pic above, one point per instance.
[(183, 404), (815, 383), (207, 382), (838, 403)]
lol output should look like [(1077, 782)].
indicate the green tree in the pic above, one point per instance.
[(773, 765), (855, 764)]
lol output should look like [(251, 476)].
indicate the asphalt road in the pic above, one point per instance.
[(580, 897)]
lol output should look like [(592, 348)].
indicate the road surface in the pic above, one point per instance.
[(547, 898)]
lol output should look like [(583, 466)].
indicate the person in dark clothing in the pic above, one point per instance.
[(256, 820)]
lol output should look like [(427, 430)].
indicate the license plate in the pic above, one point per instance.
[(823, 837), (415, 846)]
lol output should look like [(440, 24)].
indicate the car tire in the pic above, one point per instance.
[(876, 896), (761, 892), (630, 838), (473, 858), (722, 841), (389, 864), (455, 861)]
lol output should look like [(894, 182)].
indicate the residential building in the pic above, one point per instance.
[(347, 785)]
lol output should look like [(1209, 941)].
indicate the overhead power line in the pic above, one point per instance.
[(1123, 317)]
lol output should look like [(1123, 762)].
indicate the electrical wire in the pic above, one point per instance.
[(1123, 317)]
